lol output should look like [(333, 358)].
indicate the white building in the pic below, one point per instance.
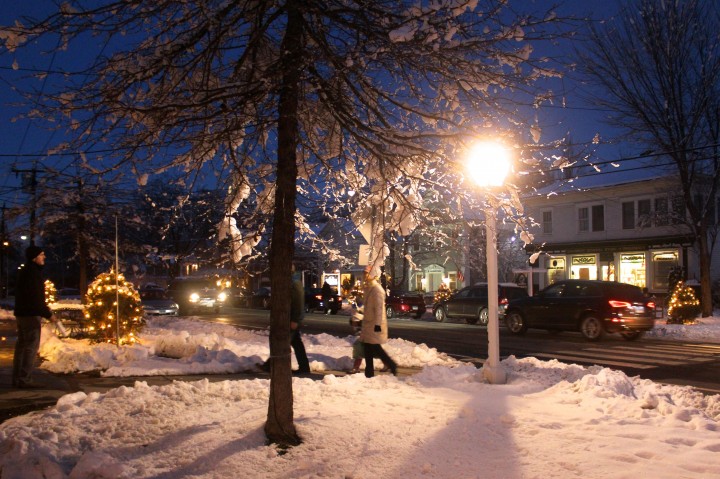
[(632, 231)]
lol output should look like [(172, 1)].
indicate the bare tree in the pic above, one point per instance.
[(658, 68), (340, 99)]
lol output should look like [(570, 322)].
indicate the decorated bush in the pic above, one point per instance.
[(443, 292), (50, 292), (101, 310), (684, 306)]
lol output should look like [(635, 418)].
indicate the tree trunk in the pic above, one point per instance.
[(82, 245), (705, 279), (280, 428)]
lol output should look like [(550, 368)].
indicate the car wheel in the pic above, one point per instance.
[(333, 311), (389, 312), (440, 315), (483, 316), (632, 335), (515, 323), (592, 328)]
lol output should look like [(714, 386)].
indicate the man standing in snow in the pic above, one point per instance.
[(30, 308), (374, 326)]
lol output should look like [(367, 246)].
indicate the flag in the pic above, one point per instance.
[(460, 277)]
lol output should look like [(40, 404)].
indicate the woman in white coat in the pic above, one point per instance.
[(374, 326)]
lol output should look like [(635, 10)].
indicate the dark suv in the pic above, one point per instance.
[(591, 307), (314, 301), (471, 303)]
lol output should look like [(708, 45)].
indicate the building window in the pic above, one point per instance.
[(583, 219), (661, 212), (632, 269), (598, 218), (662, 263), (547, 222), (628, 215), (644, 213), (678, 210)]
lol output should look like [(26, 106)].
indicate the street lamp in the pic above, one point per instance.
[(488, 164)]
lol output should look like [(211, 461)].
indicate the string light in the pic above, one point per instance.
[(684, 306), (104, 299)]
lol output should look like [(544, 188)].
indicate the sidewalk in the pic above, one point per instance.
[(17, 402)]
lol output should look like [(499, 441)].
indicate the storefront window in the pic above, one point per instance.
[(584, 267), (632, 269), (662, 263), (555, 269)]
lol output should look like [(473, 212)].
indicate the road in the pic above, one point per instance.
[(672, 362)]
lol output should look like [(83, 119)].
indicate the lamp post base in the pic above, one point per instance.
[(494, 374)]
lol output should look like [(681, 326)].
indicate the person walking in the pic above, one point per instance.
[(374, 331), (30, 308), (297, 314), (326, 293)]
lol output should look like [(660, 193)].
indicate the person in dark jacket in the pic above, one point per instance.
[(297, 314), (30, 308), (326, 293)]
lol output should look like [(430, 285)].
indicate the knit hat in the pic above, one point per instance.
[(32, 252)]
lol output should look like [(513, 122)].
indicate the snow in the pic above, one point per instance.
[(551, 419)]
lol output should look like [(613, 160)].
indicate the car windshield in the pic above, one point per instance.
[(152, 295)]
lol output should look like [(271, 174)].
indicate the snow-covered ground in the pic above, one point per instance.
[(551, 419)]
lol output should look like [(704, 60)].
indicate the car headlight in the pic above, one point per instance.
[(194, 297), (222, 297)]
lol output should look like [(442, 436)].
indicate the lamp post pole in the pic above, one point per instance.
[(492, 370), (488, 164)]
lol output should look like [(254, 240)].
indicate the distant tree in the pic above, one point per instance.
[(656, 68), (367, 103)]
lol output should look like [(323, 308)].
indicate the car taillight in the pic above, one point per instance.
[(503, 301), (318, 296), (405, 307), (651, 304), (619, 304)]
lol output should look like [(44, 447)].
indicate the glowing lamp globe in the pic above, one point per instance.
[(488, 163)]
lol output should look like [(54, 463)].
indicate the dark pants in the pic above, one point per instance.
[(376, 351), (300, 354), (26, 348)]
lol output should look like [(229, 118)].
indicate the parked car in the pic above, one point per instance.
[(69, 294), (314, 301), (156, 302), (404, 303), (261, 298), (471, 303), (591, 307), (196, 294)]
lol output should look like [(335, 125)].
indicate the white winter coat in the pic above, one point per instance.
[(374, 314)]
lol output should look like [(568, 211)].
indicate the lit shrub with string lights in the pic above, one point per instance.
[(684, 306), (101, 310), (50, 292)]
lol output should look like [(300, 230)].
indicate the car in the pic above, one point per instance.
[(238, 297), (156, 302), (404, 303), (591, 307), (69, 294), (261, 298), (314, 301), (196, 294), (471, 303)]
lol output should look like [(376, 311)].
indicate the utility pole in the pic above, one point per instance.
[(32, 185), (3, 257)]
